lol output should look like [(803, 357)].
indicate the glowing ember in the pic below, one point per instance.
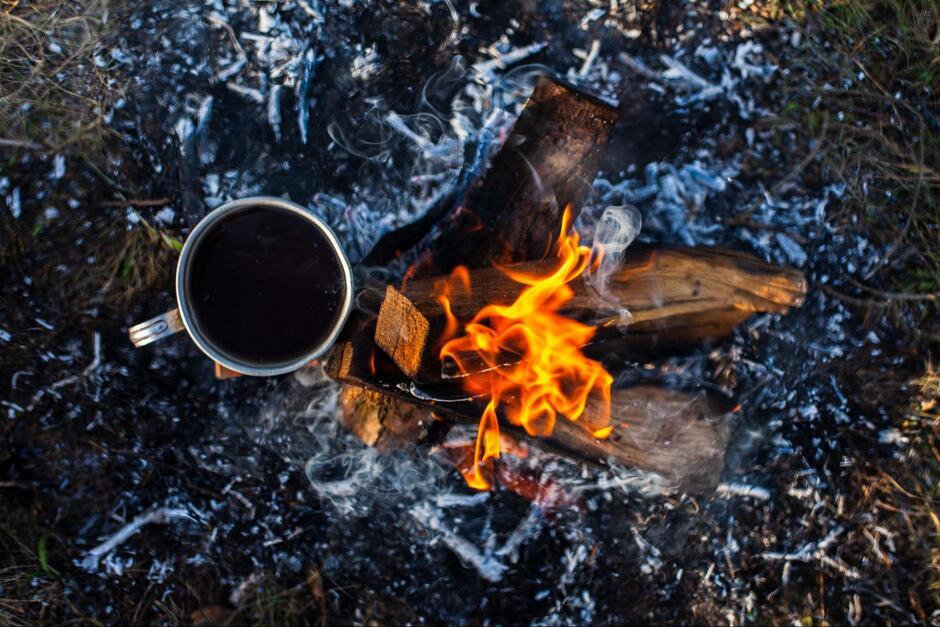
[(552, 377)]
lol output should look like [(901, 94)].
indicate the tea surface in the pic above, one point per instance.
[(266, 286)]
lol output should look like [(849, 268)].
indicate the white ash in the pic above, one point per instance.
[(166, 216), (14, 203), (734, 488), (159, 515), (58, 167)]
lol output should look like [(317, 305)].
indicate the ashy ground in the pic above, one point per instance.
[(804, 133)]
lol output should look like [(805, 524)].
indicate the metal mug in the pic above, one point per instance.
[(182, 319)]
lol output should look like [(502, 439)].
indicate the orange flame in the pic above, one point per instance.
[(461, 275), (553, 376)]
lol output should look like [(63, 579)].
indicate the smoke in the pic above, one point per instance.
[(613, 233)]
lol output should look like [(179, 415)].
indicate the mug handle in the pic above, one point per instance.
[(155, 329)]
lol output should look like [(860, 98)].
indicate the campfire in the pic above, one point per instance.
[(494, 321), (552, 376)]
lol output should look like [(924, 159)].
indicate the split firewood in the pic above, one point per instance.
[(676, 297), (677, 434), (402, 331)]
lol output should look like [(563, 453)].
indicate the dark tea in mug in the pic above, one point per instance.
[(265, 286)]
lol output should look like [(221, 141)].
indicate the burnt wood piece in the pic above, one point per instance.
[(677, 297), (380, 420), (677, 434), (548, 162)]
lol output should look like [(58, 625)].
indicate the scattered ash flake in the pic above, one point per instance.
[(741, 489), (58, 167), (891, 436), (13, 202), (5, 336), (45, 325), (794, 251), (502, 56), (365, 64), (166, 216)]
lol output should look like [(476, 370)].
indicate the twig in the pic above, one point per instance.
[(136, 202), (96, 361), (17, 143), (90, 368), (887, 297), (852, 300), (894, 295), (817, 552), (488, 566)]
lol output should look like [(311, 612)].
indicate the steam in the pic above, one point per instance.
[(614, 232)]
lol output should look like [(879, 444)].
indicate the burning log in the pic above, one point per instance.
[(677, 434), (677, 297), (514, 212), (553, 155)]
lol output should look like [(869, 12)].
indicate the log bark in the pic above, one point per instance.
[(677, 298), (679, 435)]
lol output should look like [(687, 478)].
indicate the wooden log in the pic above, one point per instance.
[(680, 435), (547, 163), (677, 297)]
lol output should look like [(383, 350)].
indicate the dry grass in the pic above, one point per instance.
[(866, 92), (53, 94), (924, 426), (863, 96), (144, 260)]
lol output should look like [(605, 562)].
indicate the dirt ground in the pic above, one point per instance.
[(804, 134)]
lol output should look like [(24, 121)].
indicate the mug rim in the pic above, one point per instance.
[(186, 314)]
